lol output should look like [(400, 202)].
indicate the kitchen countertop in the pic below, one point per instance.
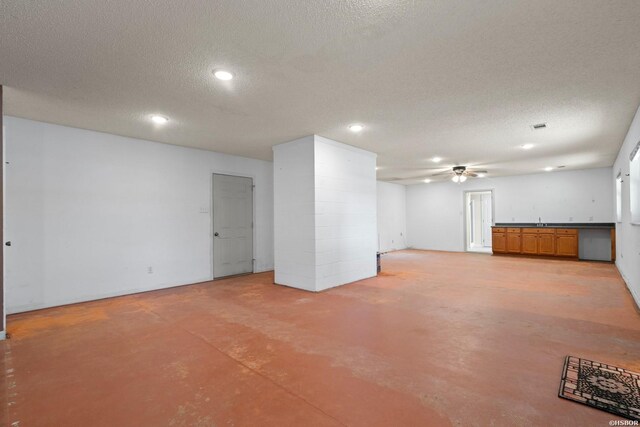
[(586, 225)]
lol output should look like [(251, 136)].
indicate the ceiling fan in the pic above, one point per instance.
[(461, 173)]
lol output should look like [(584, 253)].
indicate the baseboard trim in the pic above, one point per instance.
[(118, 294), (634, 297)]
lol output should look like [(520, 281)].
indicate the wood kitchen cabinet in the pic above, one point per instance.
[(540, 241), (567, 244), (530, 241), (499, 242), (514, 241), (547, 244), (547, 241)]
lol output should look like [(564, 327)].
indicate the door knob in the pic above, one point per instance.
[(216, 234)]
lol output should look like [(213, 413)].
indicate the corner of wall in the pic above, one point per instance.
[(627, 234), (635, 295)]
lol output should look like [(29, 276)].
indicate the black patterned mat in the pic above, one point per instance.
[(601, 386)]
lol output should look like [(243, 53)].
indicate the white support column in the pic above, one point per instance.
[(325, 213)]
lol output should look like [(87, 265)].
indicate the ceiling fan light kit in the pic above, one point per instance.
[(459, 176)]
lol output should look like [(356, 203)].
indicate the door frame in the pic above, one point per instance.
[(253, 215), (3, 299), (464, 213)]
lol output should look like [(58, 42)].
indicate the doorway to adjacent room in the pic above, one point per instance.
[(478, 220)]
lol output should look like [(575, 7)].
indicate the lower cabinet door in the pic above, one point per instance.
[(514, 243), (530, 244), (498, 242), (567, 245), (546, 244)]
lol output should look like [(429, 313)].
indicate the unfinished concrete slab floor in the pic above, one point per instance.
[(437, 339)]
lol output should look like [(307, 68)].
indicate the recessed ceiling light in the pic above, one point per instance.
[(548, 169), (436, 159), (160, 120), (355, 127), (426, 181), (481, 175), (223, 75), (527, 146)]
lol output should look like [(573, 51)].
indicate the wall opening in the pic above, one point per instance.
[(478, 220)]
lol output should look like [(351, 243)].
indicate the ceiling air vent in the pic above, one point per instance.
[(539, 126)]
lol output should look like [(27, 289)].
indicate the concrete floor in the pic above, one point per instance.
[(437, 339)]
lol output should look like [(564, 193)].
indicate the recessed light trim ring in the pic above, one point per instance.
[(159, 119), (223, 75)]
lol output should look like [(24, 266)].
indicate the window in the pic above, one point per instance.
[(619, 197)]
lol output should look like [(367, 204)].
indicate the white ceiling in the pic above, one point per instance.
[(460, 80)]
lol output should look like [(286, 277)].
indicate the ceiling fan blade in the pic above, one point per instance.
[(426, 170), (408, 178), (471, 174), (447, 172), (477, 171)]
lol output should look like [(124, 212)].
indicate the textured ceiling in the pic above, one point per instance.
[(459, 80)]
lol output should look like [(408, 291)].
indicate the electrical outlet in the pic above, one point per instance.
[(570, 218), (150, 270), (590, 218)]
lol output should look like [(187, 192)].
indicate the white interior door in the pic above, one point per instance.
[(232, 225)]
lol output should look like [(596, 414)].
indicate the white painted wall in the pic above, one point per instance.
[(294, 214), (627, 235), (89, 212), (346, 223), (392, 216), (435, 211), (325, 213)]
